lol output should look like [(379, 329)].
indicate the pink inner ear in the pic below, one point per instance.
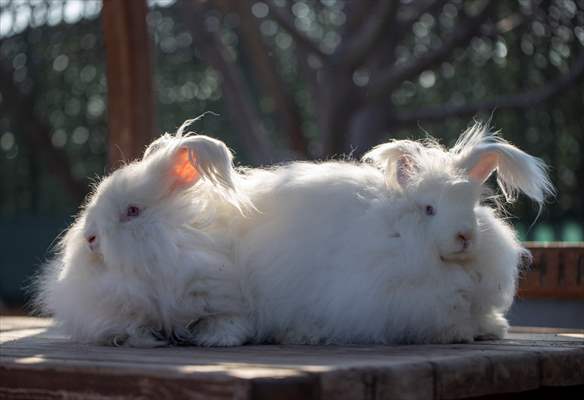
[(484, 167), (183, 169), (405, 169)]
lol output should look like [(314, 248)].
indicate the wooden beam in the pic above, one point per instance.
[(557, 272), (129, 79)]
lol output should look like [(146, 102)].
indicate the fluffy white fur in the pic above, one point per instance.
[(344, 252), (144, 278), (339, 252)]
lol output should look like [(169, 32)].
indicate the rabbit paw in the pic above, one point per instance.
[(223, 331), (457, 323), (492, 327)]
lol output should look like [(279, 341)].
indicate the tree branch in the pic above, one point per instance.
[(356, 15), (362, 43), (513, 101), (237, 94), (266, 74), (285, 21), (431, 8), (389, 80)]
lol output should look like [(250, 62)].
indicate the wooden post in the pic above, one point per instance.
[(129, 79)]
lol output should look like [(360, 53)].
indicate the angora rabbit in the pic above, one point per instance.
[(150, 251), (397, 251)]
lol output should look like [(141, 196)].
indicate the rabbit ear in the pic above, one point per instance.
[(157, 145), (516, 170), (198, 156), (191, 158), (167, 139), (405, 169), (396, 159)]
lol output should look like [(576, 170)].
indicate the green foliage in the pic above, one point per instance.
[(61, 66), (61, 69)]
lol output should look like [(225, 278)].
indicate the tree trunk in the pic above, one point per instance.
[(266, 75), (341, 100), (129, 79), (370, 127)]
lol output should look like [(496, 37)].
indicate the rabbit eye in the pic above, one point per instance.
[(430, 210), (132, 211)]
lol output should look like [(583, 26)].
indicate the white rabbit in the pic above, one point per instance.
[(151, 250), (397, 251)]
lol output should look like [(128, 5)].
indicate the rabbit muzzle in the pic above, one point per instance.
[(92, 242)]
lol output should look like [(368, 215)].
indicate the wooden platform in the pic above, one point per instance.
[(37, 363)]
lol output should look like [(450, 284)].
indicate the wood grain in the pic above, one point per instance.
[(556, 272), (36, 361)]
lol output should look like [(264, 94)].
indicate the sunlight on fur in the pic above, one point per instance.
[(398, 249), (148, 254), (405, 246)]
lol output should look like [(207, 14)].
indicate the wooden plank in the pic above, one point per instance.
[(557, 272), (103, 384), (402, 381), (563, 369), (491, 373), (129, 79), (41, 363), (556, 332), (572, 263)]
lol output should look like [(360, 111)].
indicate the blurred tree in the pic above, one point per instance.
[(52, 105), (294, 79), (37, 132), (291, 79), (359, 59)]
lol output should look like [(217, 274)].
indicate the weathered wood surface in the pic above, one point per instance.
[(37, 362), (557, 272)]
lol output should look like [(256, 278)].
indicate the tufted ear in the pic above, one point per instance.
[(183, 161), (517, 171), (167, 139), (396, 159), (158, 144), (198, 156)]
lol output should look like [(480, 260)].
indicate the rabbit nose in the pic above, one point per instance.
[(92, 242), (465, 238)]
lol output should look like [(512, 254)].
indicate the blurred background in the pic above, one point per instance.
[(307, 79)]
